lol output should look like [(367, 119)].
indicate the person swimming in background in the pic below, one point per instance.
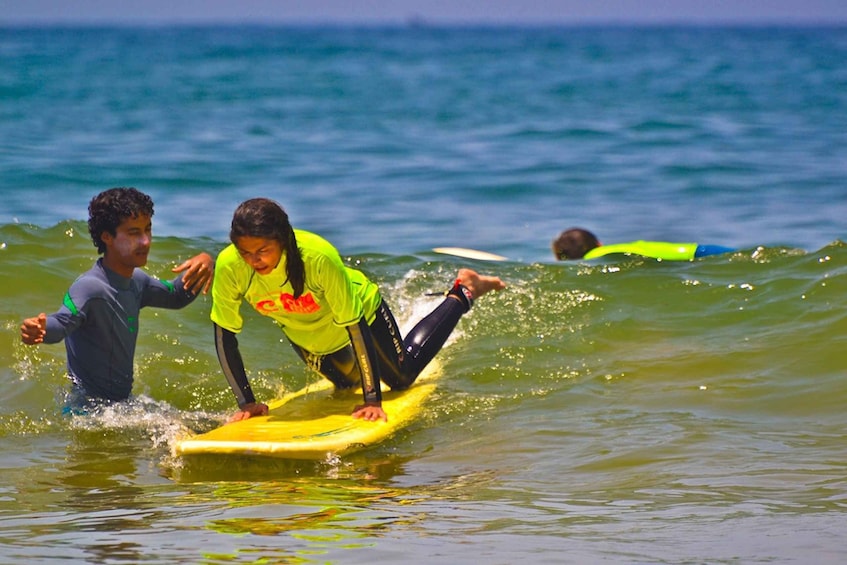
[(578, 243)]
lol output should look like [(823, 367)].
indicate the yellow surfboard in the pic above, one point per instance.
[(312, 423)]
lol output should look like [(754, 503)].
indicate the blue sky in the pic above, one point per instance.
[(434, 11)]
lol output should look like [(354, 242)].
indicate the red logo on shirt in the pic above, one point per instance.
[(304, 305)]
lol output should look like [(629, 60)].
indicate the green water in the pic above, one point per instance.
[(628, 412), (632, 411)]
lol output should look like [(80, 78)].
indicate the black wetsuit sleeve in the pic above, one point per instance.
[(363, 347), (226, 344)]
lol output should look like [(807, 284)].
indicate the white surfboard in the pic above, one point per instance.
[(470, 253)]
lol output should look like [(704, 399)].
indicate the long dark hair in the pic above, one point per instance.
[(265, 219)]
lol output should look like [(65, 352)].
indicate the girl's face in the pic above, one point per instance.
[(260, 253)]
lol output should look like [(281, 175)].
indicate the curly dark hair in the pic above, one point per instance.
[(264, 218), (110, 208)]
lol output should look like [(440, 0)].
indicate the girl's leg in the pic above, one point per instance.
[(339, 367), (402, 361)]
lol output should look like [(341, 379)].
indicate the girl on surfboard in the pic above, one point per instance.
[(333, 316)]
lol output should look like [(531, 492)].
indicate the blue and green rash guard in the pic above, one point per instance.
[(98, 320), (661, 250)]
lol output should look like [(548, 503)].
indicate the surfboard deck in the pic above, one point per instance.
[(470, 253), (311, 423)]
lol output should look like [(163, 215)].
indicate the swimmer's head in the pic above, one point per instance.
[(574, 243)]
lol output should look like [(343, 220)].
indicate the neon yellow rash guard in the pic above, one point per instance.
[(655, 249), (334, 297)]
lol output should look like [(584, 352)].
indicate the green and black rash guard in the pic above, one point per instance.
[(338, 303), (99, 322)]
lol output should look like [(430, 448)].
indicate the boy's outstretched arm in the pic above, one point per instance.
[(197, 273)]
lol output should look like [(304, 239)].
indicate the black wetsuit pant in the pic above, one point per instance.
[(399, 360)]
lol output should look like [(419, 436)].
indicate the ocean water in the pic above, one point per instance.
[(627, 411)]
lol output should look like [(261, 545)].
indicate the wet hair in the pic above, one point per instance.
[(265, 219), (574, 243), (110, 208)]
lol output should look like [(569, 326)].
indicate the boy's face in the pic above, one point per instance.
[(130, 245)]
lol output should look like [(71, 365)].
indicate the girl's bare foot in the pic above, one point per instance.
[(479, 284)]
